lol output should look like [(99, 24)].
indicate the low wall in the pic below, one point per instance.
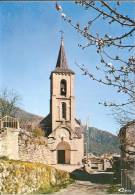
[(9, 143), (33, 149), (22, 145), (25, 177)]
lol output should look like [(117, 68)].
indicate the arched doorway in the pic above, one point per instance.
[(63, 153)]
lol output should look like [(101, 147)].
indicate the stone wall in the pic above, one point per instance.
[(22, 145), (33, 149), (127, 137), (9, 143), (17, 177)]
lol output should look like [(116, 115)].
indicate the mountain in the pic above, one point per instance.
[(101, 142), (27, 119), (20, 113)]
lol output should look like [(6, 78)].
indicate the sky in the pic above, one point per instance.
[(29, 45)]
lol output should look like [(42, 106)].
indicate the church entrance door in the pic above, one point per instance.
[(61, 156), (63, 153)]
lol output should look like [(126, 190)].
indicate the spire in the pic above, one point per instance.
[(62, 65), (62, 61)]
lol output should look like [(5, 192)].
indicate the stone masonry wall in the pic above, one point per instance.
[(33, 149), (9, 143), (22, 145)]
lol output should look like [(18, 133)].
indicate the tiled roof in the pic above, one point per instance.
[(46, 121), (45, 124)]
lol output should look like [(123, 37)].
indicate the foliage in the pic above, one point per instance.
[(54, 188), (4, 158), (113, 189), (8, 102), (25, 177), (38, 132), (115, 50)]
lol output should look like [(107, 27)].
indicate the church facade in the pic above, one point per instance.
[(63, 131)]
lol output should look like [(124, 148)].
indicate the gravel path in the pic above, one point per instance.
[(83, 188), (88, 184)]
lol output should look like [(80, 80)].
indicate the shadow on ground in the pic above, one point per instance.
[(99, 178)]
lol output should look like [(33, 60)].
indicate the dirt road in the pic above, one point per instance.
[(86, 184), (83, 188)]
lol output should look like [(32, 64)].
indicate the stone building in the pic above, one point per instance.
[(64, 142), (127, 140), (63, 130), (98, 163), (127, 146)]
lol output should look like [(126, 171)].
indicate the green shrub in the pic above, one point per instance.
[(26, 177), (4, 158), (113, 189), (38, 132)]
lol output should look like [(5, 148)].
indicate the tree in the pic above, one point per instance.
[(117, 69), (123, 114), (8, 102)]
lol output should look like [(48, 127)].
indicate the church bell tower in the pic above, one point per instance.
[(62, 92), (63, 131)]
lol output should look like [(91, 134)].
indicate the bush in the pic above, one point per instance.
[(20, 177), (38, 132), (113, 189), (4, 158)]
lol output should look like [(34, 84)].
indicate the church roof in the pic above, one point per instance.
[(62, 64), (46, 124)]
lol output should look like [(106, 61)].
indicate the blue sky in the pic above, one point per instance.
[(30, 39)]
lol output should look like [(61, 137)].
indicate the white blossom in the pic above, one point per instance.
[(63, 15)]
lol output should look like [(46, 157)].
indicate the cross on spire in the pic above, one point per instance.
[(62, 61), (62, 34)]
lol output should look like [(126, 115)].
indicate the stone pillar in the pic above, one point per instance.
[(12, 143)]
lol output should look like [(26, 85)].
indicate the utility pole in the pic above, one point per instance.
[(85, 144), (88, 133), (87, 138)]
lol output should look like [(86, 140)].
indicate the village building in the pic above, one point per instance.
[(63, 130), (98, 163)]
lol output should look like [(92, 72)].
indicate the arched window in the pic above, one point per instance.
[(63, 110), (63, 87)]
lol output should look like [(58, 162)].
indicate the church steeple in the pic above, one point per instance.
[(62, 60), (62, 64)]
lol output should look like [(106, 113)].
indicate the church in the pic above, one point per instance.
[(63, 131)]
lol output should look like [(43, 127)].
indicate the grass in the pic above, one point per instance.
[(56, 188), (113, 189)]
